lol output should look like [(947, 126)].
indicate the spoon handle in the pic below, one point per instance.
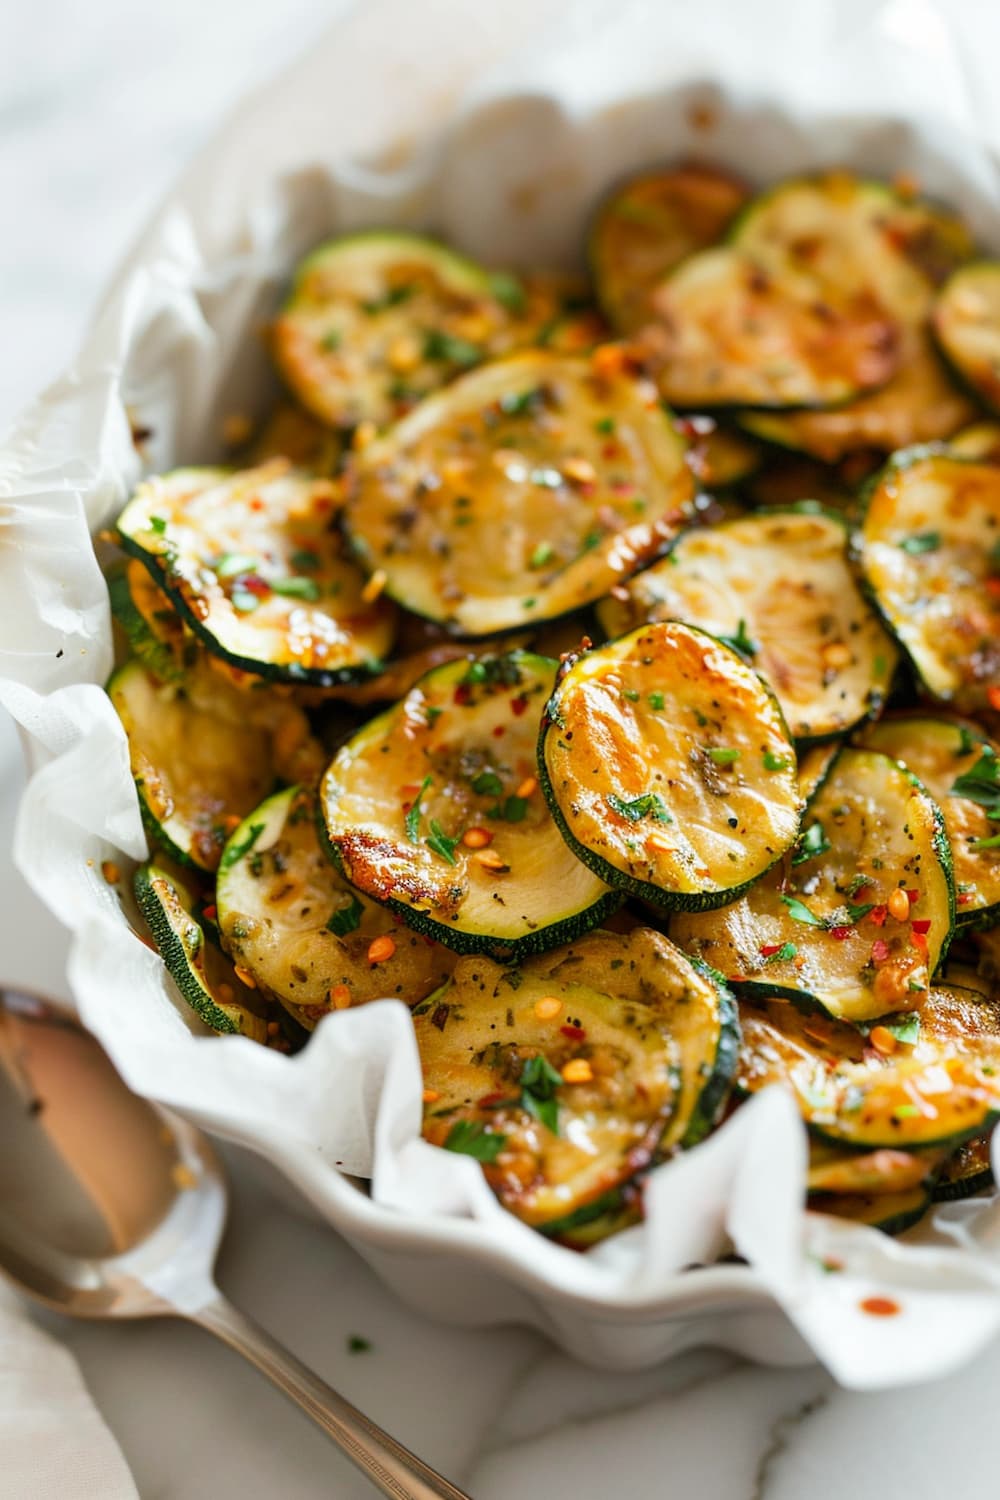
[(392, 1468)]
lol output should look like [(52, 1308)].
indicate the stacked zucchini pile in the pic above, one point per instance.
[(752, 835)]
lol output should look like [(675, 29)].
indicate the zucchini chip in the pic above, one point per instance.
[(929, 549), (960, 768), (298, 929), (647, 226), (968, 1171), (929, 1078), (568, 1075), (376, 321), (966, 321), (524, 491), (434, 810), (824, 925), (202, 973), (250, 562), (891, 1212), (777, 586), (197, 771), (668, 766)]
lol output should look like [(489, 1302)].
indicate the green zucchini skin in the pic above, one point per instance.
[(158, 656), (609, 688), (168, 908), (967, 1173), (443, 737), (893, 1213)]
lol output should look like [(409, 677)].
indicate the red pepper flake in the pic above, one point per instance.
[(575, 1033), (920, 942), (880, 951), (462, 694), (766, 949), (254, 584), (210, 912), (878, 915), (737, 978), (494, 1098), (518, 705), (913, 897), (256, 503), (499, 730), (993, 697), (922, 926), (880, 1307), (963, 897), (622, 487), (610, 450), (840, 933)]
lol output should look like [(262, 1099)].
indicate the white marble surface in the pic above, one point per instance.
[(98, 109)]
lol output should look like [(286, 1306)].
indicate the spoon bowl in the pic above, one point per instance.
[(111, 1207)]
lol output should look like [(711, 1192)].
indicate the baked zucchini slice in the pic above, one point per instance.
[(375, 321), (819, 925), (929, 550), (891, 1212), (960, 768), (928, 1079), (777, 585), (433, 809), (569, 1074), (668, 766), (647, 226), (298, 929), (196, 771), (981, 441), (202, 973), (250, 562), (524, 491), (834, 1169), (968, 1171), (966, 321)]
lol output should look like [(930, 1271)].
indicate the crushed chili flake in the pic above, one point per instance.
[(518, 705), (210, 912), (913, 897), (921, 926), (841, 932), (878, 915), (920, 942), (574, 1033), (880, 1307), (993, 697), (254, 584), (462, 694), (767, 949), (880, 951), (499, 730), (381, 948), (495, 1098)]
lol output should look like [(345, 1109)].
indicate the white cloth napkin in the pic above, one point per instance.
[(54, 1444)]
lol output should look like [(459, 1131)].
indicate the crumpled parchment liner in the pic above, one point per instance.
[(497, 127)]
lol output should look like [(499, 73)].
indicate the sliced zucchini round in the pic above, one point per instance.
[(937, 1088), (834, 1169), (778, 587), (524, 491), (291, 922), (668, 766), (967, 1171), (197, 772), (647, 226), (249, 560), (375, 321), (434, 810), (891, 1212), (729, 332), (202, 973), (819, 926), (920, 404), (929, 550), (960, 768), (815, 765), (966, 321), (571, 1073)]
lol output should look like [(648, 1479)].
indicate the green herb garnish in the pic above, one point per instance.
[(413, 815), (296, 588), (799, 912), (441, 843), (539, 1081), (346, 918), (721, 756), (455, 351), (811, 844), (487, 784), (649, 805), (471, 1138), (741, 642), (774, 762), (921, 541)]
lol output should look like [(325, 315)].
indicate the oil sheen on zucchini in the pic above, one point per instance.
[(929, 549), (668, 766), (819, 925), (954, 759), (376, 321), (197, 771), (647, 226), (434, 810), (934, 1078), (525, 490), (251, 563), (204, 976), (966, 322), (778, 586), (574, 1071), (294, 924)]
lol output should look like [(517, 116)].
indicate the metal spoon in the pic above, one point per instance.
[(111, 1208)]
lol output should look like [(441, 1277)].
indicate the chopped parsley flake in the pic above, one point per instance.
[(471, 1138), (649, 805), (741, 642), (722, 756), (441, 843), (413, 816), (921, 541), (811, 844), (774, 762), (539, 1081), (346, 918)]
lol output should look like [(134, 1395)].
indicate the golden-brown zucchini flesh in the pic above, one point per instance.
[(250, 560), (434, 809), (722, 457), (203, 975), (152, 628), (891, 1212), (981, 441), (777, 585), (820, 924), (929, 549), (835, 1169), (569, 1074), (197, 772), (960, 768), (525, 490), (668, 766), (966, 321), (730, 333), (967, 1171), (295, 926), (927, 1079), (920, 404), (647, 226), (375, 321)]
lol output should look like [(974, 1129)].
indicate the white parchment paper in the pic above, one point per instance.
[(497, 127)]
